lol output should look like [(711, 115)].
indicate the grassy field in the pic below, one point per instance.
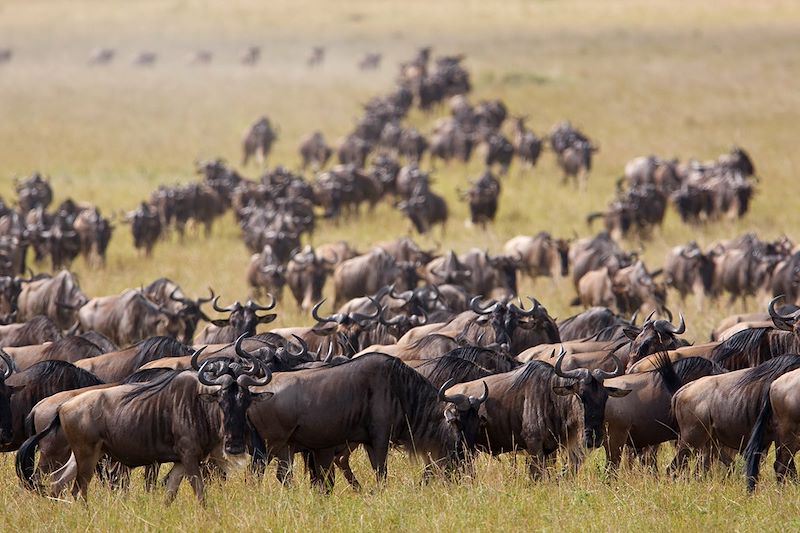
[(676, 79)]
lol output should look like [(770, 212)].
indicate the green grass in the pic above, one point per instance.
[(684, 79)]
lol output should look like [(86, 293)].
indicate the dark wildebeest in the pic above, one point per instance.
[(374, 400), (37, 330), (540, 409), (129, 317), (500, 151), (251, 55), (241, 319), (482, 198), (306, 274), (146, 227), (542, 255), (145, 59), (718, 412), (527, 145), (57, 297), (101, 56), (258, 141), (181, 417), (688, 270), (314, 150), (316, 57), (6, 392), (94, 231), (41, 380), (425, 209), (370, 61)]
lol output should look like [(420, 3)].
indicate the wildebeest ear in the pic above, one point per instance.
[(220, 322), (482, 320), (450, 415), (323, 331), (562, 390), (269, 317), (631, 333), (261, 396), (617, 393)]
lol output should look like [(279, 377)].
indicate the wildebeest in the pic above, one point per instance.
[(181, 417), (644, 418), (251, 55), (258, 141), (541, 255), (314, 150), (688, 270), (146, 227), (370, 61), (364, 275), (241, 319), (425, 209), (101, 56), (170, 296), (540, 409), (483, 198), (37, 330), (33, 384), (57, 297), (717, 412), (777, 422), (266, 274), (527, 145), (403, 409), (316, 57), (71, 348), (129, 317), (306, 274), (115, 366), (145, 59)]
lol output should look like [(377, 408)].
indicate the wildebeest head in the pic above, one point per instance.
[(461, 413), (5, 399), (312, 270), (506, 318), (244, 318), (233, 397), (190, 311), (654, 336), (588, 386), (347, 327)]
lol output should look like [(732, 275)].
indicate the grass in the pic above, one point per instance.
[(683, 79)]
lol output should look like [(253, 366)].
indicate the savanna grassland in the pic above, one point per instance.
[(676, 79)]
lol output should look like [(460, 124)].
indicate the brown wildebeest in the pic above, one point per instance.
[(58, 297), (241, 319), (181, 417), (314, 150), (542, 255), (71, 349), (258, 141), (540, 409), (306, 274), (37, 330), (116, 366), (644, 419), (715, 413), (778, 422)]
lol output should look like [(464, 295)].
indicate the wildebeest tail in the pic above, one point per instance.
[(258, 450), (758, 444), (25, 461)]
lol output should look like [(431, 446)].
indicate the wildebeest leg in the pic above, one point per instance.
[(86, 460), (613, 454), (681, 460), (192, 471), (648, 456), (63, 477), (784, 463), (285, 457), (173, 481), (343, 462), (324, 472), (378, 453)]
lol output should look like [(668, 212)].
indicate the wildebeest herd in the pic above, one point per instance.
[(427, 350)]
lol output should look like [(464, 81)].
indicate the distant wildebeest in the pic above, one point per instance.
[(541, 255), (101, 56), (314, 150), (370, 61), (145, 59), (258, 140), (527, 145), (58, 297), (251, 55), (316, 57)]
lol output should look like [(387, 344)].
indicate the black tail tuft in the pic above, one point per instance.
[(757, 445), (26, 455)]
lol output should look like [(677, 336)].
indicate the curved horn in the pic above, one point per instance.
[(619, 369), (358, 317), (393, 321), (569, 374), (224, 380), (303, 347), (681, 327), (530, 312), (255, 306), (201, 301), (442, 396), (195, 357), (315, 313), (780, 321), (485, 395), (475, 307), (241, 352), (247, 380), (650, 316), (219, 309), (174, 299), (8, 362)]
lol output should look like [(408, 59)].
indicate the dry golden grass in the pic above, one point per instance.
[(671, 78)]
